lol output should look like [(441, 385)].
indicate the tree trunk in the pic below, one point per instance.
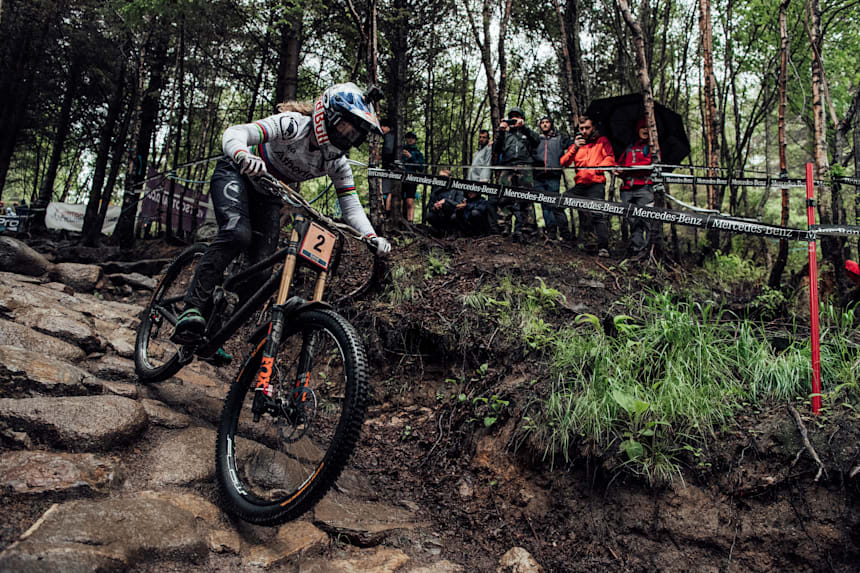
[(503, 61), (374, 191), (287, 87), (828, 204), (482, 39), (92, 232), (64, 123), (142, 129), (648, 103), (782, 256), (180, 117), (399, 29), (711, 115), (124, 231), (16, 83), (568, 65), (261, 72), (581, 89)]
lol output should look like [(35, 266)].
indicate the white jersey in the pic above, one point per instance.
[(284, 142)]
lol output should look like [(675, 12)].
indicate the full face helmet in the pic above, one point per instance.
[(343, 118)]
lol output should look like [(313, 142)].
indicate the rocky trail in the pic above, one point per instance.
[(100, 473)]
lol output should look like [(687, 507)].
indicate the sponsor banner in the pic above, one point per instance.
[(153, 206), (703, 221), (70, 217), (841, 230), (383, 174), (10, 223), (476, 187), (848, 180), (775, 182)]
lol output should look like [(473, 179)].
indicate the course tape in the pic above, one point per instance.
[(658, 176), (699, 220)]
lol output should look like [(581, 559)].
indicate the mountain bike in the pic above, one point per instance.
[(293, 413)]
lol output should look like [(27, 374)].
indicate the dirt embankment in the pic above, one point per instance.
[(751, 500)]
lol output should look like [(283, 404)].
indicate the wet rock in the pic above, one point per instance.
[(28, 372), (29, 473), (150, 267), (111, 367), (63, 324), (81, 277), (107, 535), (189, 398), (121, 340), (292, 539), (365, 523), (12, 334), (17, 257), (355, 485), (76, 423), (161, 415), (134, 280), (378, 560), (518, 560), (443, 566), (183, 458), (224, 541), (219, 537), (123, 389)]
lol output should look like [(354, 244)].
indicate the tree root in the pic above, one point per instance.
[(804, 436)]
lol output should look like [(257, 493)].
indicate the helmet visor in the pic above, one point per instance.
[(344, 134)]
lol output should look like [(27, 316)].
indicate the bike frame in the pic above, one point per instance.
[(280, 283)]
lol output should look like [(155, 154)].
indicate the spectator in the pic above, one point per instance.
[(442, 206), (590, 149), (413, 163), (388, 158), (548, 155), (636, 187), (476, 216), (514, 146), (482, 159)]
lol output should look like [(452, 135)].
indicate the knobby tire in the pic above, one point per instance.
[(156, 358), (273, 470)]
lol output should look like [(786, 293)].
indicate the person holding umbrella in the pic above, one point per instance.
[(591, 149), (636, 186)]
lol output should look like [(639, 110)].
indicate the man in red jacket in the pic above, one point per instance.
[(636, 187), (590, 149)]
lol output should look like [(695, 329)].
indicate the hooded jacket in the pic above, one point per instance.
[(638, 153), (597, 152), (551, 146)]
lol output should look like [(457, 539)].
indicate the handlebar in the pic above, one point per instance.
[(269, 184)]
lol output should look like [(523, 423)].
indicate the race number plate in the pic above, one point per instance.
[(317, 246)]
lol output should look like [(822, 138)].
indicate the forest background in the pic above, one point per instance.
[(95, 94)]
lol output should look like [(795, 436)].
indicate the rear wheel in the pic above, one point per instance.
[(156, 358), (275, 468)]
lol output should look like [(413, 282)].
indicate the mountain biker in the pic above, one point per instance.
[(303, 141)]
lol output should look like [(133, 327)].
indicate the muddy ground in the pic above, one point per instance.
[(753, 504)]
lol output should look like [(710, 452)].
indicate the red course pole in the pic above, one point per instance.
[(813, 294)]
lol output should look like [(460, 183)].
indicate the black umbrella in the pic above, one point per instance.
[(616, 117)]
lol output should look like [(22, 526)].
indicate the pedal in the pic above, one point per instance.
[(219, 359)]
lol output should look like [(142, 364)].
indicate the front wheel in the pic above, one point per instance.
[(156, 358), (273, 469)]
